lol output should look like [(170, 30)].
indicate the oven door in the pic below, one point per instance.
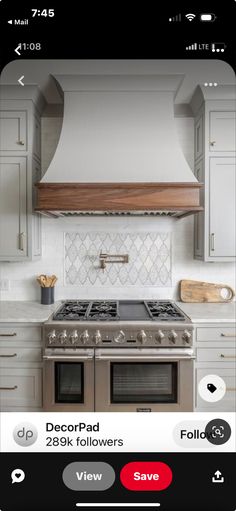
[(68, 383), (144, 380)]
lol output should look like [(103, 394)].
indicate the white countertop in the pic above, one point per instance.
[(25, 312), (34, 312), (210, 312)]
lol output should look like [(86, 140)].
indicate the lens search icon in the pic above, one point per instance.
[(17, 476)]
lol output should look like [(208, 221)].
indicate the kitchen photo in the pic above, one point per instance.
[(117, 236)]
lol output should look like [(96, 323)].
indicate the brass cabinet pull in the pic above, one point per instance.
[(212, 241), (22, 241), (228, 335), (8, 335), (9, 356), (227, 356), (230, 389), (9, 388)]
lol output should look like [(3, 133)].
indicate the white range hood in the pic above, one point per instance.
[(118, 148)]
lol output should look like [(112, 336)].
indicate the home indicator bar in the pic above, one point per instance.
[(114, 504)]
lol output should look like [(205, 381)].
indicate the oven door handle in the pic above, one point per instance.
[(142, 358), (76, 358)]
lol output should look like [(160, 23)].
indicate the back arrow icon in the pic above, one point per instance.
[(17, 49), (20, 80)]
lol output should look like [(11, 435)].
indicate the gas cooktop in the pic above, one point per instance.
[(123, 310)]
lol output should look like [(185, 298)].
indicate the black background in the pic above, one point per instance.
[(114, 30), (191, 488)]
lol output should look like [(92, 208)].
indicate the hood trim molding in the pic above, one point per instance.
[(55, 198)]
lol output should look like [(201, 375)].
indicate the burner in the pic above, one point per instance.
[(103, 307), (101, 316), (74, 308)]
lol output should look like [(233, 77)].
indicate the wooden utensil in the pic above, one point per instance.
[(194, 291), (53, 280), (47, 280)]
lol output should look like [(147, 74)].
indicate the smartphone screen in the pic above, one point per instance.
[(117, 256)]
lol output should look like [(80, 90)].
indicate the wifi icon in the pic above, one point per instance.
[(190, 17)]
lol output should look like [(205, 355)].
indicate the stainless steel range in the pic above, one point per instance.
[(118, 356)]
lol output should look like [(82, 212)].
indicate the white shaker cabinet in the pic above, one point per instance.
[(20, 367), (222, 131), (215, 354), (222, 207), (215, 145), (20, 168), (13, 207), (13, 130)]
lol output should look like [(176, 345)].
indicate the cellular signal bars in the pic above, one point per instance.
[(192, 47)]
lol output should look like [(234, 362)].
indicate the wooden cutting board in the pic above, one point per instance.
[(196, 291)]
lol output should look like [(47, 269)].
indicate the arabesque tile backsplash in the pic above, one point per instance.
[(149, 259)]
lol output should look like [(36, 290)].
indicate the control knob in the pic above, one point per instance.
[(173, 336), (142, 336), (160, 335), (74, 337), (97, 337), (120, 337), (63, 336), (52, 336), (186, 336), (84, 336)]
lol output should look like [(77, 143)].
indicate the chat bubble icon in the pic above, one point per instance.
[(17, 475)]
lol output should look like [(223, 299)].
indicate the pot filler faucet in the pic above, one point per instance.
[(112, 258)]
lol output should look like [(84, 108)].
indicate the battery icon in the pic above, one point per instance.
[(218, 47), (207, 17)]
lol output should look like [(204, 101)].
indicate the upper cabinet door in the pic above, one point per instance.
[(222, 207), (13, 131), (13, 208), (222, 131)]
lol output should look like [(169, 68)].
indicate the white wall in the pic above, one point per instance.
[(22, 275)]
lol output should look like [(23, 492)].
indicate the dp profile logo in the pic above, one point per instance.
[(25, 434)]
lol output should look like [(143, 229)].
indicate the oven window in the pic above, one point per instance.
[(69, 382), (142, 382)]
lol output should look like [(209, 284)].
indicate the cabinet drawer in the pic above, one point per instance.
[(216, 334), (13, 131), (227, 403), (8, 333), (9, 356), (216, 354), (19, 387)]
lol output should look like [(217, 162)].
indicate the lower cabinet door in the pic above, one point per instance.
[(20, 387), (227, 403)]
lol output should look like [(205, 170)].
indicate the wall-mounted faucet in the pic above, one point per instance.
[(112, 258)]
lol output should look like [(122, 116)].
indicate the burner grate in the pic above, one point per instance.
[(103, 311), (164, 311), (72, 310), (82, 310)]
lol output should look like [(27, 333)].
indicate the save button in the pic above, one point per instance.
[(146, 476)]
